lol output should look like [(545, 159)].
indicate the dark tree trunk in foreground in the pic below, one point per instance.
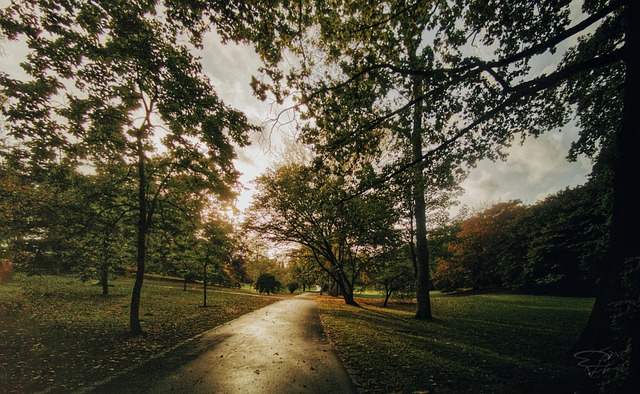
[(618, 277), (348, 298), (347, 292)]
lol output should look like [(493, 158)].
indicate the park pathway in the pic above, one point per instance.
[(281, 348)]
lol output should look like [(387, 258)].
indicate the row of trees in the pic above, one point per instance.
[(85, 223), (552, 247), (112, 89)]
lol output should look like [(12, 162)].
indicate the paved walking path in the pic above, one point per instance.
[(277, 349)]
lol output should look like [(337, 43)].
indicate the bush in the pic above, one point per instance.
[(293, 286), (268, 283)]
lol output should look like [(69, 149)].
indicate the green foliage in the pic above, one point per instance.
[(566, 236), (303, 269), (552, 247), (292, 287), (267, 283), (112, 84), (394, 274), (296, 205), (483, 244)]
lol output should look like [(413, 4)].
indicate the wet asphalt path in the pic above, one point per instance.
[(281, 348)]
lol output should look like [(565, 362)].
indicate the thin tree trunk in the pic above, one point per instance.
[(422, 251), (134, 316), (104, 280), (204, 296), (387, 292)]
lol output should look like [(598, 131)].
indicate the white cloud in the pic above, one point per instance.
[(531, 172)]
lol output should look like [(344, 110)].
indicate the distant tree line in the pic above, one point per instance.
[(551, 247)]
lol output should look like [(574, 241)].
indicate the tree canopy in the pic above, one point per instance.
[(295, 204), (113, 81)]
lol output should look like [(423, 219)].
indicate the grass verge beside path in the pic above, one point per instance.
[(56, 332), (490, 343)]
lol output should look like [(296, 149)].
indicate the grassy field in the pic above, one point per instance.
[(56, 332), (490, 343)]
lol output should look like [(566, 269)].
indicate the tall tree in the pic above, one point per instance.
[(383, 113), (115, 79)]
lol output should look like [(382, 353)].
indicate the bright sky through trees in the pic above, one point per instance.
[(533, 170)]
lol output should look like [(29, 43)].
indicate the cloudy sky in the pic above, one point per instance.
[(533, 170)]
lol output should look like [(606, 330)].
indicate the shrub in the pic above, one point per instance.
[(293, 286), (268, 283)]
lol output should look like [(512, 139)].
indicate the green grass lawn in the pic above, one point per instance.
[(489, 343), (58, 332)]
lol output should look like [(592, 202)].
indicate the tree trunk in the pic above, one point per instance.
[(134, 316), (349, 298), (387, 293), (422, 251), (626, 201), (347, 292), (618, 276), (104, 280), (204, 296)]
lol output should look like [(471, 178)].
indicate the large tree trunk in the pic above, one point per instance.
[(618, 278), (348, 297), (347, 292), (422, 252), (134, 315)]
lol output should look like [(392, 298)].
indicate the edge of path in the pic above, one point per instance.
[(307, 295)]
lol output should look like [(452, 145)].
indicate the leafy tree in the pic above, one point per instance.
[(123, 69), (216, 242), (292, 287), (267, 283), (450, 276), (566, 236), (393, 275), (295, 204), (481, 245), (302, 268), (258, 261)]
